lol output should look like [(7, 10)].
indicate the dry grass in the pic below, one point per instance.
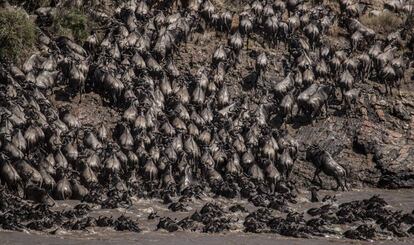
[(385, 23), (333, 5), (334, 31)]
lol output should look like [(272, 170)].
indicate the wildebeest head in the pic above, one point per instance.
[(312, 151), (236, 41)]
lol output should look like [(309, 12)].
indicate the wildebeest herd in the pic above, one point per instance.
[(183, 131)]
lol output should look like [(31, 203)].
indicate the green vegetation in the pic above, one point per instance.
[(17, 34), (73, 23)]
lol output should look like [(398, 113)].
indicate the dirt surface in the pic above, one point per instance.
[(360, 143)]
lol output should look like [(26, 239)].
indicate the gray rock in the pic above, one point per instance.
[(401, 112)]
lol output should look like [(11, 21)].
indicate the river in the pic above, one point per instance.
[(397, 199)]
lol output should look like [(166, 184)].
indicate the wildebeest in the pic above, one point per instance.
[(179, 115), (285, 164), (287, 104), (304, 97), (351, 98), (323, 161), (314, 99), (9, 175), (261, 64), (345, 82), (246, 26), (284, 87), (272, 175)]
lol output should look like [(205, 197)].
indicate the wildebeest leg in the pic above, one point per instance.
[(319, 111), (317, 172), (348, 108), (320, 181), (364, 74), (114, 98), (272, 187), (288, 172), (300, 111), (368, 71), (20, 190), (81, 91), (346, 184), (237, 57), (285, 122), (259, 77), (195, 167), (340, 183), (399, 88)]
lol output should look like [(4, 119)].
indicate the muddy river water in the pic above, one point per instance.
[(397, 199)]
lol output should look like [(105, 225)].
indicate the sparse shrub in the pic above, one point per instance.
[(17, 34), (31, 5), (386, 22), (73, 23)]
